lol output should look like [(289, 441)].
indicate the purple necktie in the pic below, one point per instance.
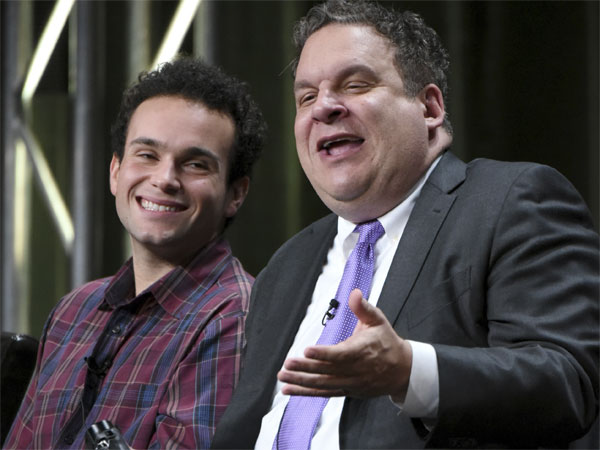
[(302, 413)]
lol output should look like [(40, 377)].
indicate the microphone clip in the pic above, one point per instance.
[(99, 370), (330, 313)]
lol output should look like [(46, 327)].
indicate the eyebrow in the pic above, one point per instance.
[(344, 73), (188, 152), (301, 85), (146, 141)]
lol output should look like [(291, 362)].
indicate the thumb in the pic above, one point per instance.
[(367, 314)]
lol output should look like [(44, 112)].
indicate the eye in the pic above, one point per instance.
[(146, 155), (357, 86), (306, 98), (198, 165)]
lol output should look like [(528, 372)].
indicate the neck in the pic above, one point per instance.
[(442, 140), (149, 266), (147, 270)]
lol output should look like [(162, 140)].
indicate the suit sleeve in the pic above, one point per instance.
[(537, 381)]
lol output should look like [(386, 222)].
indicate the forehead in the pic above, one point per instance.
[(176, 120), (169, 104), (337, 46)]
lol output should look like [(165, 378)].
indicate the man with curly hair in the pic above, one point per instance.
[(155, 349), (481, 324)]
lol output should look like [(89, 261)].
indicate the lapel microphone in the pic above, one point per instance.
[(97, 369), (330, 313)]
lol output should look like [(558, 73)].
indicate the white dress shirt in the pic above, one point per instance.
[(423, 389)]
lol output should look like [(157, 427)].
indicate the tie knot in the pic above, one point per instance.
[(370, 231)]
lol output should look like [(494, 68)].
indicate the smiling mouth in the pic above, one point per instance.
[(151, 206)]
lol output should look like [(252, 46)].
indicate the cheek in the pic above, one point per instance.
[(301, 131), (207, 191), (301, 145), (122, 209), (122, 186), (406, 135)]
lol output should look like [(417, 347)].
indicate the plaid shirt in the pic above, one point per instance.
[(172, 357)]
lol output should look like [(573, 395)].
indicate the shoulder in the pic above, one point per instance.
[(510, 202), (216, 286), (72, 308), (313, 234), (527, 202), (523, 180), (297, 260), (496, 181), (233, 289), (84, 297), (502, 173), (486, 177)]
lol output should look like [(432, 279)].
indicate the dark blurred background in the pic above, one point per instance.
[(524, 86)]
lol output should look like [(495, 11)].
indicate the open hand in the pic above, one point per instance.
[(373, 361)]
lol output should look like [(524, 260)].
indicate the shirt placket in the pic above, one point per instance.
[(98, 364)]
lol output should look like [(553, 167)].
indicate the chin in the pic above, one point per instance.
[(347, 210), (342, 194), (156, 241), (356, 209)]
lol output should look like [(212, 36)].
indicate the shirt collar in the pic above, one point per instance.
[(395, 220), (178, 290), (121, 289)]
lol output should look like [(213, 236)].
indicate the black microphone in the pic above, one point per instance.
[(98, 369), (105, 436), (330, 313)]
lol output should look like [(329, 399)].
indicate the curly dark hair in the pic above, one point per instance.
[(195, 80), (420, 56)]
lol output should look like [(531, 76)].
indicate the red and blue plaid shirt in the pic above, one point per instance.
[(172, 353)]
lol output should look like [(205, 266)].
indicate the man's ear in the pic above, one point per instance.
[(236, 195), (433, 106), (115, 165)]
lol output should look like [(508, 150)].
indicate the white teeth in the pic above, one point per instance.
[(150, 206)]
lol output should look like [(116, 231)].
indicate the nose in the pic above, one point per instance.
[(328, 107), (166, 177)]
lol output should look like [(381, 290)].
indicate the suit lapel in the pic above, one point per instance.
[(300, 282), (429, 213), (282, 305)]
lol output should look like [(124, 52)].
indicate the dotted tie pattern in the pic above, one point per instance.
[(302, 414)]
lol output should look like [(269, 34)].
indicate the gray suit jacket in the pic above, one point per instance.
[(498, 269)]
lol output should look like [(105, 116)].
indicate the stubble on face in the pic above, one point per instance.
[(170, 186), (348, 89)]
